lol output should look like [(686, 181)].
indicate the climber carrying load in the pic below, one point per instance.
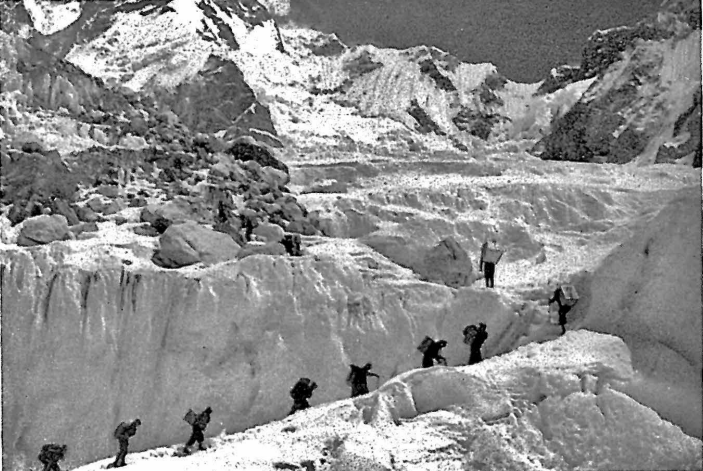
[(474, 337), (430, 352), (122, 433), (301, 392), (357, 379), (566, 297), (199, 423), (490, 256), (50, 456)]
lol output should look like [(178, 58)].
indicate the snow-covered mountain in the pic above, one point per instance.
[(321, 91)]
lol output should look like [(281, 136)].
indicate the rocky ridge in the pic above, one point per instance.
[(645, 103)]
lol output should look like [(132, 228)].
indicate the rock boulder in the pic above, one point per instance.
[(43, 229), (189, 243), (447, 263)]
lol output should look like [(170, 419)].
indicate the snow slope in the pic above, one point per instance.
[(554, 406)]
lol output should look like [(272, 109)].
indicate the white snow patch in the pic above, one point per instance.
[(50, 17)]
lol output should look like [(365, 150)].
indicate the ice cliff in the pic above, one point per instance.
[(94, 336), (648, 291)]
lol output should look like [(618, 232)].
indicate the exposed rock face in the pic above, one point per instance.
[(41, 230), (35, 179), (109, 341), (218, 98), (425, 124), (442, 82), (50, 83), (646, 100), (648, 292), (246, 152), (189, 243)]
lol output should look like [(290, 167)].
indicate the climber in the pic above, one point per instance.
[(430, 352), (301, 392), (249, 222), (357, 379), (292, 244), (50, 456), (199, 423), (474, 338), (122, 434), (566, 297), (490, 255)]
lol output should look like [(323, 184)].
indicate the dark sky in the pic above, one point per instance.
[(523, 38)]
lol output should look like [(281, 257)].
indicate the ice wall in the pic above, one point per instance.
[(648, 292), (543, 407), (87, 345)]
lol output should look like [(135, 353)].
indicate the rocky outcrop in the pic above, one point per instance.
[(217, 99), (188, 243), (477, 123), (429, 68), (645, 99), (33, 181), (47, 82), (105, 340), (425, 124)]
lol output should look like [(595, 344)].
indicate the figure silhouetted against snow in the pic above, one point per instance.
[(357, 379), (566, 297), (122, 433), (50, 455), (430, 352), (474, 338), (301, 392), (490, 256), (199, 423)]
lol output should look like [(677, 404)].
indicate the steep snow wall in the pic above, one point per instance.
[(87, 345), (551, 406), (648, 291)]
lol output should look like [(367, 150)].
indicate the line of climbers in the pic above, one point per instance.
[(565, 297)]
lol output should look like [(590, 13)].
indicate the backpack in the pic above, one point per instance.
[(51, 453), (470, 332), (190, 417), (202, 420), (426, 343), (120, 430), (568, 295), (492, 255), (302, 387)]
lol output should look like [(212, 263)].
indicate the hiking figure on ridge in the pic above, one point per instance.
[(430, 352), (199, 423), (490, 256), (50, 455), (357, 379), (474, 338), (566, 297), (122, 433), (301, 392)]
